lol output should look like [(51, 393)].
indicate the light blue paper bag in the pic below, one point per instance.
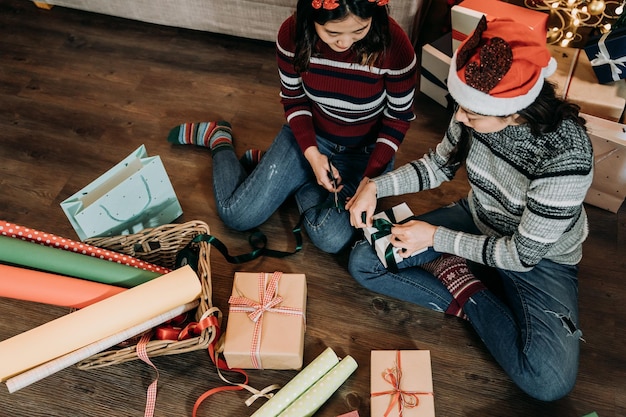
[(133, 195)]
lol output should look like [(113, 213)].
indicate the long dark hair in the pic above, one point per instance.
[(544, 115), (368, 50)]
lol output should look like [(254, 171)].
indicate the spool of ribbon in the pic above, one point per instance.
[(268, 302), (603, 57), (399, 397)]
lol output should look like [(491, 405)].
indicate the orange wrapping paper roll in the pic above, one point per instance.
[(42, 287), (97, 321)]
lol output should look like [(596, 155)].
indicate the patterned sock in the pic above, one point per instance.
[(456, 276), (212, 135), (250, 159)]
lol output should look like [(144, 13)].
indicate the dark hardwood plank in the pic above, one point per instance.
[(79, 91)]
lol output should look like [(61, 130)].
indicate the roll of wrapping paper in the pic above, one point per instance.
[(48, 259), (299, 384), (308, 403), (44, 287), (97, 321), (40, 372), (48, 239)]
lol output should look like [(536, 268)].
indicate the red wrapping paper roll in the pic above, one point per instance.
[(43, 287)]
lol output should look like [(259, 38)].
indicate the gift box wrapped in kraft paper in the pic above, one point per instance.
[(97, 321), (577, 82), (266, 321), (401, 384), (465, 16), (608, 188), (378, 235), (311, 388), (436, 58), (607, 54)]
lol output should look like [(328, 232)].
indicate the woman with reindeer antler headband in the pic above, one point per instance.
[(505, 257), (348, 74)]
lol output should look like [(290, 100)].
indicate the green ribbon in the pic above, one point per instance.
[(258, 240), (384, 229)]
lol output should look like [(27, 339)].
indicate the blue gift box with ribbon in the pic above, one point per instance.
[(607, 54)]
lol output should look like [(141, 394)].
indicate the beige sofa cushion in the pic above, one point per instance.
[(245, 18)]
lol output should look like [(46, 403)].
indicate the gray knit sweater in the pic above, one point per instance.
[(526, 194)]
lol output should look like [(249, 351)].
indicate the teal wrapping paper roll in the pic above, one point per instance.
[(32, 255), (305, 379), (308, 403)]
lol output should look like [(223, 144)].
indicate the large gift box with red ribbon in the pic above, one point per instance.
[(465, 16), (378, 235), (607, 54), (266, 321), (608, 188), (401, 384), (577, 82)]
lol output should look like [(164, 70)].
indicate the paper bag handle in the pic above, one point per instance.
[(112, 217)]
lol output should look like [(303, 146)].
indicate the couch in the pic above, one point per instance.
[(254, 19)]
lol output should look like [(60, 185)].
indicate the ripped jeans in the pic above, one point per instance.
[(529, 325)]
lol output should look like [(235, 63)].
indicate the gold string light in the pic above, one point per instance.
[(568, 16)]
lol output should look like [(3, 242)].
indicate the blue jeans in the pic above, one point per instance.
[(529, 326), (245, 202)]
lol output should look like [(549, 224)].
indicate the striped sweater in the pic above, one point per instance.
[(526, 194), (347, 103)]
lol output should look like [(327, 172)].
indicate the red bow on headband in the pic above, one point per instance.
[(326, 4), (332, 4)]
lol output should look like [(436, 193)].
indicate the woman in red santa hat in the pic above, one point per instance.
[(505, 257)]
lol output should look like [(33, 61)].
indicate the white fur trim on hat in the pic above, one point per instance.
[(478, 102)]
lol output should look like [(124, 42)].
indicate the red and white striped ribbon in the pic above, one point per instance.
[(269, 300)]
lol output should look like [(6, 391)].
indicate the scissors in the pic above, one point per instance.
[(331, 176)]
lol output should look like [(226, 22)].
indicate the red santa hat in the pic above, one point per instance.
[(499, 69)]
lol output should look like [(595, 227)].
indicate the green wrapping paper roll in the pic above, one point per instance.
[(308, 403), (299, 384), (32, 255)]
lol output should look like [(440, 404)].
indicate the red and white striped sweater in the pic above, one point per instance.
[(350, 104)]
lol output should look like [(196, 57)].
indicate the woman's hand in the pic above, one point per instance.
[(363, 201), (323, 170), (412, 236)]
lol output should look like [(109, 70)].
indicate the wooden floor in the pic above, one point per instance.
[(79, 92)]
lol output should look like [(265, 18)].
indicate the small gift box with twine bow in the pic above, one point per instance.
[(266, 321), (401, 384)]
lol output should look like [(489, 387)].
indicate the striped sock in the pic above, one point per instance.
[(456, 276), (250, 159), (209, 134)]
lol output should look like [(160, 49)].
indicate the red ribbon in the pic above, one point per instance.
[(402, 398), (269, 302)]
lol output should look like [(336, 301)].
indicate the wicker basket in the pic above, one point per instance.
[(160, 245)]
